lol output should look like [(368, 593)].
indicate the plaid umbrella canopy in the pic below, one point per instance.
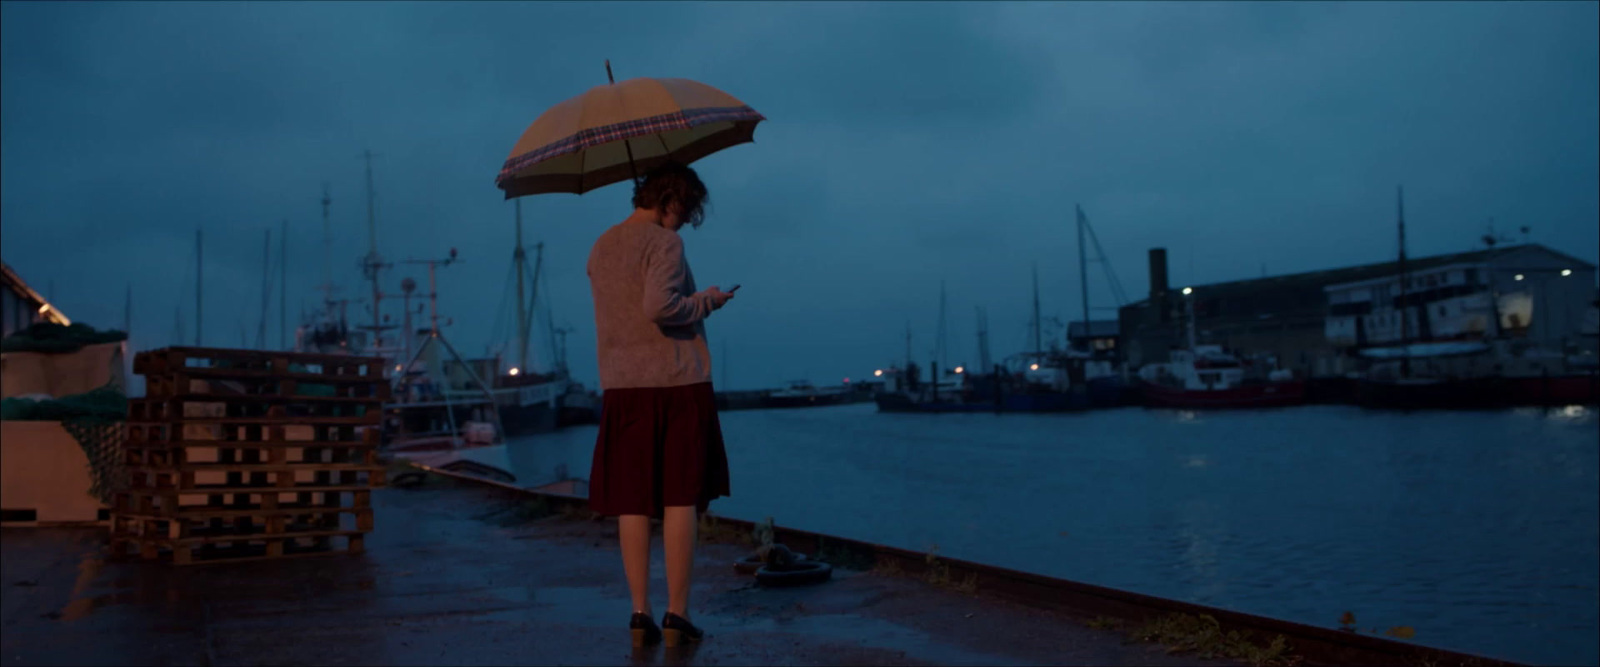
[(620, 131)]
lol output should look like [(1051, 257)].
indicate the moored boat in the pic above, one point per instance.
[(1208, 377)]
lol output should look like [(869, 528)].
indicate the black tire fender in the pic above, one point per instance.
[(802, 573)]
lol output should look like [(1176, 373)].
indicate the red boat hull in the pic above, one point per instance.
[(1268, 395), (1555, 391)]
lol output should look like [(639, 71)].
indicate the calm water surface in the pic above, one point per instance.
[(1480, 530)]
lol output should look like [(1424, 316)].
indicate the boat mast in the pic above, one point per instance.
[(939, 346), (533, 302), (519, 257), (1405, 333), (283, 286), (1038, 346), (327, 250), (374, 261), (908, 344), (199, 279), (983, 340), (1083, 277), (266, 289)]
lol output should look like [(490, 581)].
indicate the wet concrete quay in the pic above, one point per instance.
[(456, 574)]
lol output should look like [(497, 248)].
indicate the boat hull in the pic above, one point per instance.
[(1265, 395), (1107, 392), (1019, 402), (1560, 390), (1480, 393), (577, 409), (900, 402), (528, 419), (803, 401)]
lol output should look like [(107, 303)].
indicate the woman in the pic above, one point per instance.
[(659, 453)]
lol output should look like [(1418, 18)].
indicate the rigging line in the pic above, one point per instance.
[(1111, 274), (185, 290), (548, 321), (497, 330)]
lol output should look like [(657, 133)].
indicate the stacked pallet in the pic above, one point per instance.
[(243, 454)]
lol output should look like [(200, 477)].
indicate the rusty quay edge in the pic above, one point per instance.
[(1318, 646)]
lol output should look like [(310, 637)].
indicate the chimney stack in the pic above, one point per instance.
[(1158, 274)]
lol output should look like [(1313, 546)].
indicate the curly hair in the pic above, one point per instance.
[(673, 184)]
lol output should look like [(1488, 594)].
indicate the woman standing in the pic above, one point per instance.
[(659, 453)]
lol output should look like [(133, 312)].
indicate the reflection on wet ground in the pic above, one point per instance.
[(439, 588)]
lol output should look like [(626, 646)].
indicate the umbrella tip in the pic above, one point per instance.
[(609, 78)]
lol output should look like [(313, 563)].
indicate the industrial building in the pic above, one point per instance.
[(1313, 322)]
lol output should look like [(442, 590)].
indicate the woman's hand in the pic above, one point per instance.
[(718, 297)]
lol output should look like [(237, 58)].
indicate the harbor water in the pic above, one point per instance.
[(1479, 530)]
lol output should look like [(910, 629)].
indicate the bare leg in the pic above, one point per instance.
[(679, 526), (633, 530)]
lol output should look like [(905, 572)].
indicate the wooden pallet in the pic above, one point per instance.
[(251, 457), (256, 410), (281, 364), (174, 502), (222, 382), (246, 454), (237, 548), (255, 433), (240, 524)]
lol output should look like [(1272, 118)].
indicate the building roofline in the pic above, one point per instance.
[(15, 282), (1431, 262)]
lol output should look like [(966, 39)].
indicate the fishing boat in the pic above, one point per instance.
[(529, 401), (905, 391), (441, 405), (801, 393), (1207, 376), (1099, 370)]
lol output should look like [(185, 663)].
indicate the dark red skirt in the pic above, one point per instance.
[(658, 447)]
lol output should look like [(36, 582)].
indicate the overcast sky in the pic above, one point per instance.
[(906, 144)]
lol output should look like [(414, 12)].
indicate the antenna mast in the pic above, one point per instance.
[(1037, 345), (519, 257), (373, 263), (1083, 277), (1405, 333)]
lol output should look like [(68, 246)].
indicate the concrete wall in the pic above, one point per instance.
[(23, 373), (42, 468)]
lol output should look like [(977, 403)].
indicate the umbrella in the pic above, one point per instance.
[(618, 131)]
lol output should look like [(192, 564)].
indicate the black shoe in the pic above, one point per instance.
[(644, 630), (678, 630)]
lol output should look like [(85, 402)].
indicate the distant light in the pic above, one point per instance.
[(1034, 367), (878, 373), (1566, 272), (1187, 291), (1519, 276), (397, 367), (847, 380), (960, 369), (514, 371)]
